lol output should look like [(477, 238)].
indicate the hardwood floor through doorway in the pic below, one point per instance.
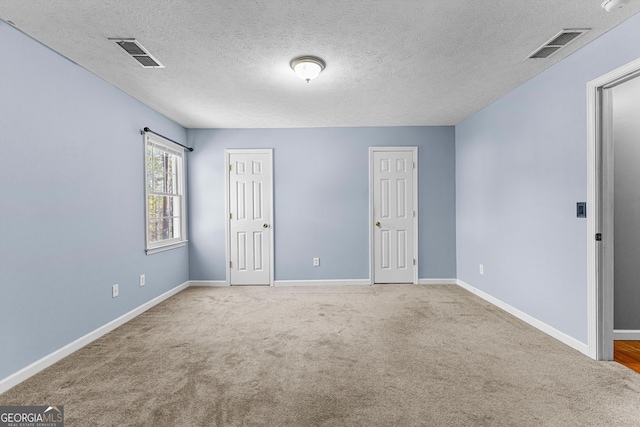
[(627, 353)]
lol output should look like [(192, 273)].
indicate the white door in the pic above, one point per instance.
[(394, 217), (250, 226)]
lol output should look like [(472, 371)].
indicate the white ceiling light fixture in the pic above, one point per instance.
[(610, 5), (307, 67)]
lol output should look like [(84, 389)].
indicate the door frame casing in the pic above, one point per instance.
[(600, 262), (227, 207), (414, 151)]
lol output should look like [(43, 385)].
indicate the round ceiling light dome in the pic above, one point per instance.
[(307, 67), (610, 5)]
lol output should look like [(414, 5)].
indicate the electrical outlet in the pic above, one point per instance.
[(316, 262), (115, 291), (142, 280), (481, 269)]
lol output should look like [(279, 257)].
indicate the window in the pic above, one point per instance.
[(165, 204)]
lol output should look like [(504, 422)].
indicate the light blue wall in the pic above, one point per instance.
[(521, 166), (321, 185), (71, 203)]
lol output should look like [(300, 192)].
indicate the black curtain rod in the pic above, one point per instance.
[(156, 133)]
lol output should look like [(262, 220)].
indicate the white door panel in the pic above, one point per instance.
[(393, 210), (250, 228)]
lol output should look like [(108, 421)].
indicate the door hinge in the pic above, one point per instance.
[(229, 168), (230, 215), (598, 237), (413, 165), (414, 262), (230, 264), (414, 214)]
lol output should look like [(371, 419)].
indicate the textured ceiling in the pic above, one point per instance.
[(389, 63)]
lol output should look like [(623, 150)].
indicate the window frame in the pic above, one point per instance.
[(180, 176)]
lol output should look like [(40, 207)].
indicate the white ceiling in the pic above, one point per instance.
[(389, 63)]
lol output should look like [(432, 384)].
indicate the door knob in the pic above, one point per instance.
[(265, 225), (377, 223)]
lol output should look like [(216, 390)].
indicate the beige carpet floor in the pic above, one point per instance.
[(395, 355)]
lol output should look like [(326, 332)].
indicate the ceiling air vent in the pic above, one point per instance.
[(557, 42), (138, 52)]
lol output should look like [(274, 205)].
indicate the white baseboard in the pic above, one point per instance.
[(358, 282), (208, 283), (37, 366), (437, 281), (549, 330), (626, 335)]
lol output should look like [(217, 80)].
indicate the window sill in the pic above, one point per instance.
[(157, 249)]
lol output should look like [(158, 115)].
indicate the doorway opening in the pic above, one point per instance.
[(600, 208)]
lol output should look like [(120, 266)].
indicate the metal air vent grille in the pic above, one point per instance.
[(138, 52), (560, 40)]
